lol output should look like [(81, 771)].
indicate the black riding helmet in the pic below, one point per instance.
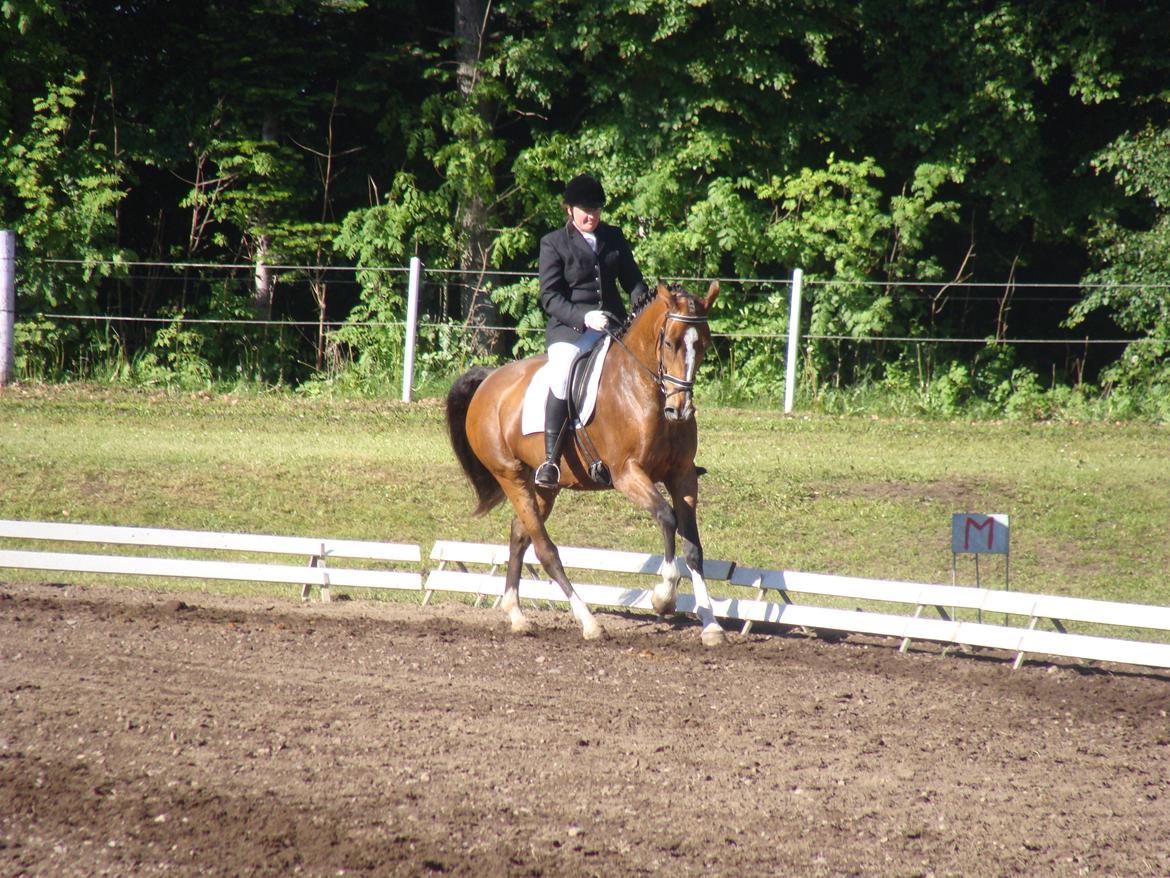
[(584, 191)]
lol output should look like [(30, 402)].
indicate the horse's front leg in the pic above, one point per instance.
[(518, 544), (638, 487), (664, 597), (684, 493)]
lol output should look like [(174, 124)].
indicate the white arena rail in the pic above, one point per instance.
[(455, 574), (1030, 606), (477, 569), (318, 552)]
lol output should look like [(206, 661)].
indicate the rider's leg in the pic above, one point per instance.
[(560, 361), (556, 410), (556, 416)]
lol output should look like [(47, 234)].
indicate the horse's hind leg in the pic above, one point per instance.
[(531, 511), (518, 544)]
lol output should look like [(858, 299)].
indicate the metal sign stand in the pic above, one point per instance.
[(975, 534)]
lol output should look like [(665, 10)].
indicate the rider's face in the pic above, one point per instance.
[(585, 219)]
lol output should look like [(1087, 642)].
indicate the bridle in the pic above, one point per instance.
[(661, 378), (680, 385)]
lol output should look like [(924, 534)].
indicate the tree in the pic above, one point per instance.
[(874, 140), (1132, 281), (62, 184)]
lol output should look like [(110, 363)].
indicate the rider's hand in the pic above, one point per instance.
[(596, 320)]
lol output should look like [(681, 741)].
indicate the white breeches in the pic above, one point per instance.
[(560, 357)]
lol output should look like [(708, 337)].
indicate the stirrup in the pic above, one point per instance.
[(548, 475)]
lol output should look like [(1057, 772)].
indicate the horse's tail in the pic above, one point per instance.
[(487, 489)]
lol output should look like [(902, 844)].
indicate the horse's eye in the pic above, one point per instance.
[(669, 345)]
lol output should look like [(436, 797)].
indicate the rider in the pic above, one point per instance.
[(580, 267)]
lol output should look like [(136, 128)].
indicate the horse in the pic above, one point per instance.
[(643, 428)]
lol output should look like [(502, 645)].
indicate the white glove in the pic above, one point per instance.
[(596, 320)]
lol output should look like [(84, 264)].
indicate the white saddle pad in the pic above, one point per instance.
[(532, 416)]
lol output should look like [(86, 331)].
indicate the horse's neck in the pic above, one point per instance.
[(642, 336), (635, 369)]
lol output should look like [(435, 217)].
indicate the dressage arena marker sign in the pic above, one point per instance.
[(453, 574), (973, 534)]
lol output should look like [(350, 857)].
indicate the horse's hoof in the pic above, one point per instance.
[(593, 632), (522, 627), (713, 635), (663, 607)]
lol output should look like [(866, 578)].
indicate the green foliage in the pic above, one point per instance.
[(389, 234), (1132, 284), (869, 143), (369, 346), (174, 360), (520, 302), (992, 384), (64, 185), (255, 193)]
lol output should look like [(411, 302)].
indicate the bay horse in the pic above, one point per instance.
[(643, 428)]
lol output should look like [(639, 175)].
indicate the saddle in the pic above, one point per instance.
[(584, 377), (580, 375), (580, 372)]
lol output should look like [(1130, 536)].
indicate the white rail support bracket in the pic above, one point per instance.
[(7, 306), (416, 267), (793, 340)]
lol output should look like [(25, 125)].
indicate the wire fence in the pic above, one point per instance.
[(317, 305), (974, 293)]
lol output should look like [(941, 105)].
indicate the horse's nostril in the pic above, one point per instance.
[(671, 413)]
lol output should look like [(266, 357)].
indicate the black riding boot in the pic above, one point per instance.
[(556, 415)]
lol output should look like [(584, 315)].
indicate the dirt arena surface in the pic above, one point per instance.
[(143, 734)]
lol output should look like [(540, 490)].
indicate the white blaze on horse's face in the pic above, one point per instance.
[(691, 359), (683, 345), (690, 351)]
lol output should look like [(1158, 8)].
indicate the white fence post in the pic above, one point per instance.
[(7, 306), (793, 340), (411, 328)]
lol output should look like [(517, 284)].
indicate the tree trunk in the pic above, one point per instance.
[(474, 216), (263, 281), (263, 278)]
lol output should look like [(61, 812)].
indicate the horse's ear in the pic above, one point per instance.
[(663, 292), (712, 292)]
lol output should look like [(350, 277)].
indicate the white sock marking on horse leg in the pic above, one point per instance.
[(712, 631), (590, 628), (510, 604), (665, 592)]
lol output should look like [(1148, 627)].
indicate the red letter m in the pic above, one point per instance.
[(988, 525)]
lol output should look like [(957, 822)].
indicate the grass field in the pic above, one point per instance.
[(1089, 503)]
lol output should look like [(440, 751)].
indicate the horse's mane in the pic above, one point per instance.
[(642, 305)]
